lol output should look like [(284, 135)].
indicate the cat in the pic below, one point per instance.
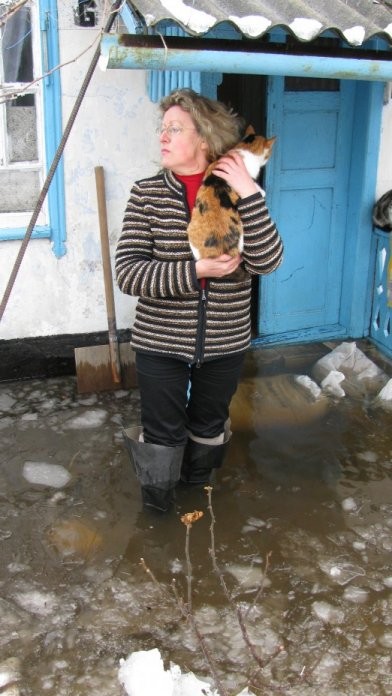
[(382, 212), (215, 227)]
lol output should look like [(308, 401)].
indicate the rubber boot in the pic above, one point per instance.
[(202, 456), (157, 468)]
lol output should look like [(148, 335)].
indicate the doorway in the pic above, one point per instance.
[(320, 184), (247, 96)]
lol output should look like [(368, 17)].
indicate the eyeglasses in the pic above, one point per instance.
[(171, 131)]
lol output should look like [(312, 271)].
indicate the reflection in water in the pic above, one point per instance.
[(303, 522)]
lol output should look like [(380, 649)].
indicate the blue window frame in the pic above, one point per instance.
[(49, 127)]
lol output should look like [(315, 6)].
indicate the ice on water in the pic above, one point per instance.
[(327, 612), (357, 595), (6, 402), (37, 602), (341, 572), (349, 504), (80, 617), (249, 577), (93, 418), (10, 674), (386, 639), (44, 474), (367, 456)]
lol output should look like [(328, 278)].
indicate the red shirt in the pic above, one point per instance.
[(192, 184)]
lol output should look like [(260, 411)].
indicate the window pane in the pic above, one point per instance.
[(21, 129), (16, 47), (19, 190)]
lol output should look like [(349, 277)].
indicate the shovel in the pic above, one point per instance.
[(110, 366)]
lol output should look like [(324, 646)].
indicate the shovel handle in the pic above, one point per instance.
[(107, 274)]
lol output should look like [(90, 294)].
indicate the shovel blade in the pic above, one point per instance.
[(95, 373)]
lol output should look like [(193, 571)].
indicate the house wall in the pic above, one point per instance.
[(115, 129)]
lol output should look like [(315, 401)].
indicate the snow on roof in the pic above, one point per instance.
[(354, 20)]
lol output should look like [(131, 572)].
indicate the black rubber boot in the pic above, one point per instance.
[(157, 468), (201, 458)]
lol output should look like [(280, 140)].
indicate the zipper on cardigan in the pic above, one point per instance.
[(201, 327)]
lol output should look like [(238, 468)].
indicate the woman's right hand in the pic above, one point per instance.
[(218, 267)]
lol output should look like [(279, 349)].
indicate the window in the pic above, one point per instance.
[(30, 121)]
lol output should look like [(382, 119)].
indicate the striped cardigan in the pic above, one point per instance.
[(174, 316)]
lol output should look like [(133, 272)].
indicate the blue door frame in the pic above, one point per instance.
[(348, 286)]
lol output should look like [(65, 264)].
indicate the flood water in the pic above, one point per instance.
[(302, 537)]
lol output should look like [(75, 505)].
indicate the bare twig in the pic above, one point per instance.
[(252, 648), (201, 640), (11, 11), (53, 166), (188, 519), (261, 586), (208, 490), (162, 588), (20, 90), (188, 615), (15, 93), (240, 617)]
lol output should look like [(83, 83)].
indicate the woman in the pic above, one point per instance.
[(192, 323)]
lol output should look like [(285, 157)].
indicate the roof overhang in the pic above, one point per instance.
[(176, 53), (357, 23)]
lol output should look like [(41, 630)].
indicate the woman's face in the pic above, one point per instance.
[(182, 148)]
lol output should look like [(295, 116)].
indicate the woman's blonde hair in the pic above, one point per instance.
[(218, 125)]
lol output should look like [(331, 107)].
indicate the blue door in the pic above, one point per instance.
[(307, 182), (321, 183)]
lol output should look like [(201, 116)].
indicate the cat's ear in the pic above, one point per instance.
[(249, 131), (270, 141)]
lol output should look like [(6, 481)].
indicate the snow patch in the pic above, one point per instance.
[(331, 383), (197, 20), (306, 382), (149, 19), (251, 25), (143, 674), (386, 392), (355, 35), (305, 29)]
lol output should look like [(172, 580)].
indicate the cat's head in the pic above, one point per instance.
[(255, 149)]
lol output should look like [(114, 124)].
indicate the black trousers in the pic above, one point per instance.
[(177, 397)]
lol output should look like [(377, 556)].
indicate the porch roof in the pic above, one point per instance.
[(260, 51), (355, 21)]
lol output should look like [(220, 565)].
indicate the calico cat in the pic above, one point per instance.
[(382, 212), (215, 227)]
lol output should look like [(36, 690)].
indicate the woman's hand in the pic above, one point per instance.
[(217, 268), (231, 168)]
